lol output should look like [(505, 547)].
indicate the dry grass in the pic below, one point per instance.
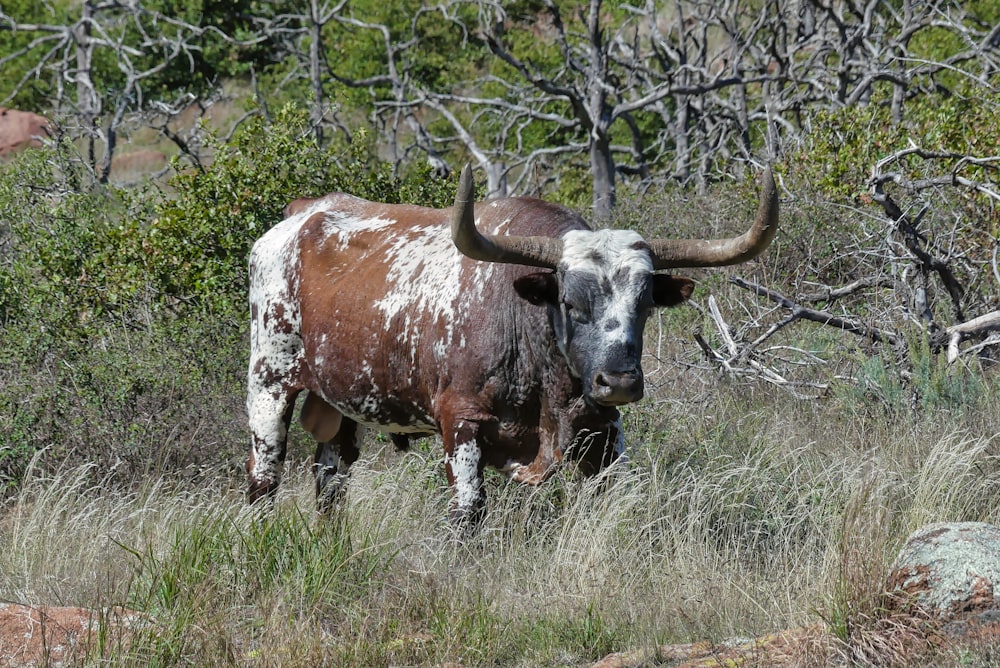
[(741, 512)]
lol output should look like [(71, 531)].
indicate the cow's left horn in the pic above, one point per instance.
[(672, 253), (532, 251)]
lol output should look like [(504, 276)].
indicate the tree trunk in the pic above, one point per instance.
[(602, 167), (315, 69), (88, 104)]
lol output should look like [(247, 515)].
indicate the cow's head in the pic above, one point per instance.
[(604, 285)]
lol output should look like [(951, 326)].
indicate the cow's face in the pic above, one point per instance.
[(598, 301)]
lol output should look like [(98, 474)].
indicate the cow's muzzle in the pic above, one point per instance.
[(615, 389)]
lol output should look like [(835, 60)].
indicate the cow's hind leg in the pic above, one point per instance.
[(338, 445), (270, 413)]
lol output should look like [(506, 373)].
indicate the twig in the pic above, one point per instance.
[(829, 295), (911, 238), (752, 367), (822, 317), (727, 337)]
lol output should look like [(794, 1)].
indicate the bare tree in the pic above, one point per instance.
[(692, 89), (140, 43), (686, 90)]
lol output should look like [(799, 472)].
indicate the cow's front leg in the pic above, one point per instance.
[(464, 466), (546, 462), (596, 441)]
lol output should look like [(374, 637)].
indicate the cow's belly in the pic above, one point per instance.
[(360, 375), (386, 413)]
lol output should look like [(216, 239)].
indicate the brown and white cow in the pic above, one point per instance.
[(514, 341)]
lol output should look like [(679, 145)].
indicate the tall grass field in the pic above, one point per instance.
[(741, 511)]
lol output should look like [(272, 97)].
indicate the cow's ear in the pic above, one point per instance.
[(671, 290), (538, 288)]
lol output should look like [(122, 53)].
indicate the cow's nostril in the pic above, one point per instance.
[(616, 388)]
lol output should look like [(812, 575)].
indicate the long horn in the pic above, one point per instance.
[(532, 251), (672, 253)]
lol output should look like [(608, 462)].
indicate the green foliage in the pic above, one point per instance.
[(847, 142), (441, 55), (60, 268), (876, 383), (923, 380), (19, 87), (140, 401), (208, 57), (941, 385), (197, 244)]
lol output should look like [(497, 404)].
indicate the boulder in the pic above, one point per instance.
[(949, 571), (33, 636), (20, 129)]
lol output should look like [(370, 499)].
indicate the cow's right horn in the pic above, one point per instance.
[(532, 251), (673, 253)]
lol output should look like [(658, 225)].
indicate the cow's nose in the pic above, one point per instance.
[(614, 389)]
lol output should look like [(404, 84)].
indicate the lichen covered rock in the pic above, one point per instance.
[(949, 570)]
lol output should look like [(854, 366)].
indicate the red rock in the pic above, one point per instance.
[(20, 129), (55, 636)]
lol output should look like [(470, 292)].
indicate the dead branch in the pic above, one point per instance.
[(829, 294), (739, 361), (916, 243), (984, 324), (912, 239), (822, 317)]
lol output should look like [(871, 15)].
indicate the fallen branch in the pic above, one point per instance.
[(958, 333), (738, 363), (830, 295), (801, 312)]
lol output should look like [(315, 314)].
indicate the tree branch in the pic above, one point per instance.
[(821, 317)]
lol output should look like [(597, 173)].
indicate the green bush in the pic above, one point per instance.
[(847, 142)]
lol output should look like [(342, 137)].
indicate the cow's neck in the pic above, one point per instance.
[(545, 363)]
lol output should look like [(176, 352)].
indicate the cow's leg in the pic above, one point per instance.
[(549, 455), (464, 466), (270, 412), (338, 445), (333, 463), (597, 445)]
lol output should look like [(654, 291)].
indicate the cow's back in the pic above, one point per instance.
[(389, 313)]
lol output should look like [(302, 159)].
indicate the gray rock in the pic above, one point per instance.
[(949, 570)]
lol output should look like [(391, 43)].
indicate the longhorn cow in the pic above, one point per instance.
[(509, 327)]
